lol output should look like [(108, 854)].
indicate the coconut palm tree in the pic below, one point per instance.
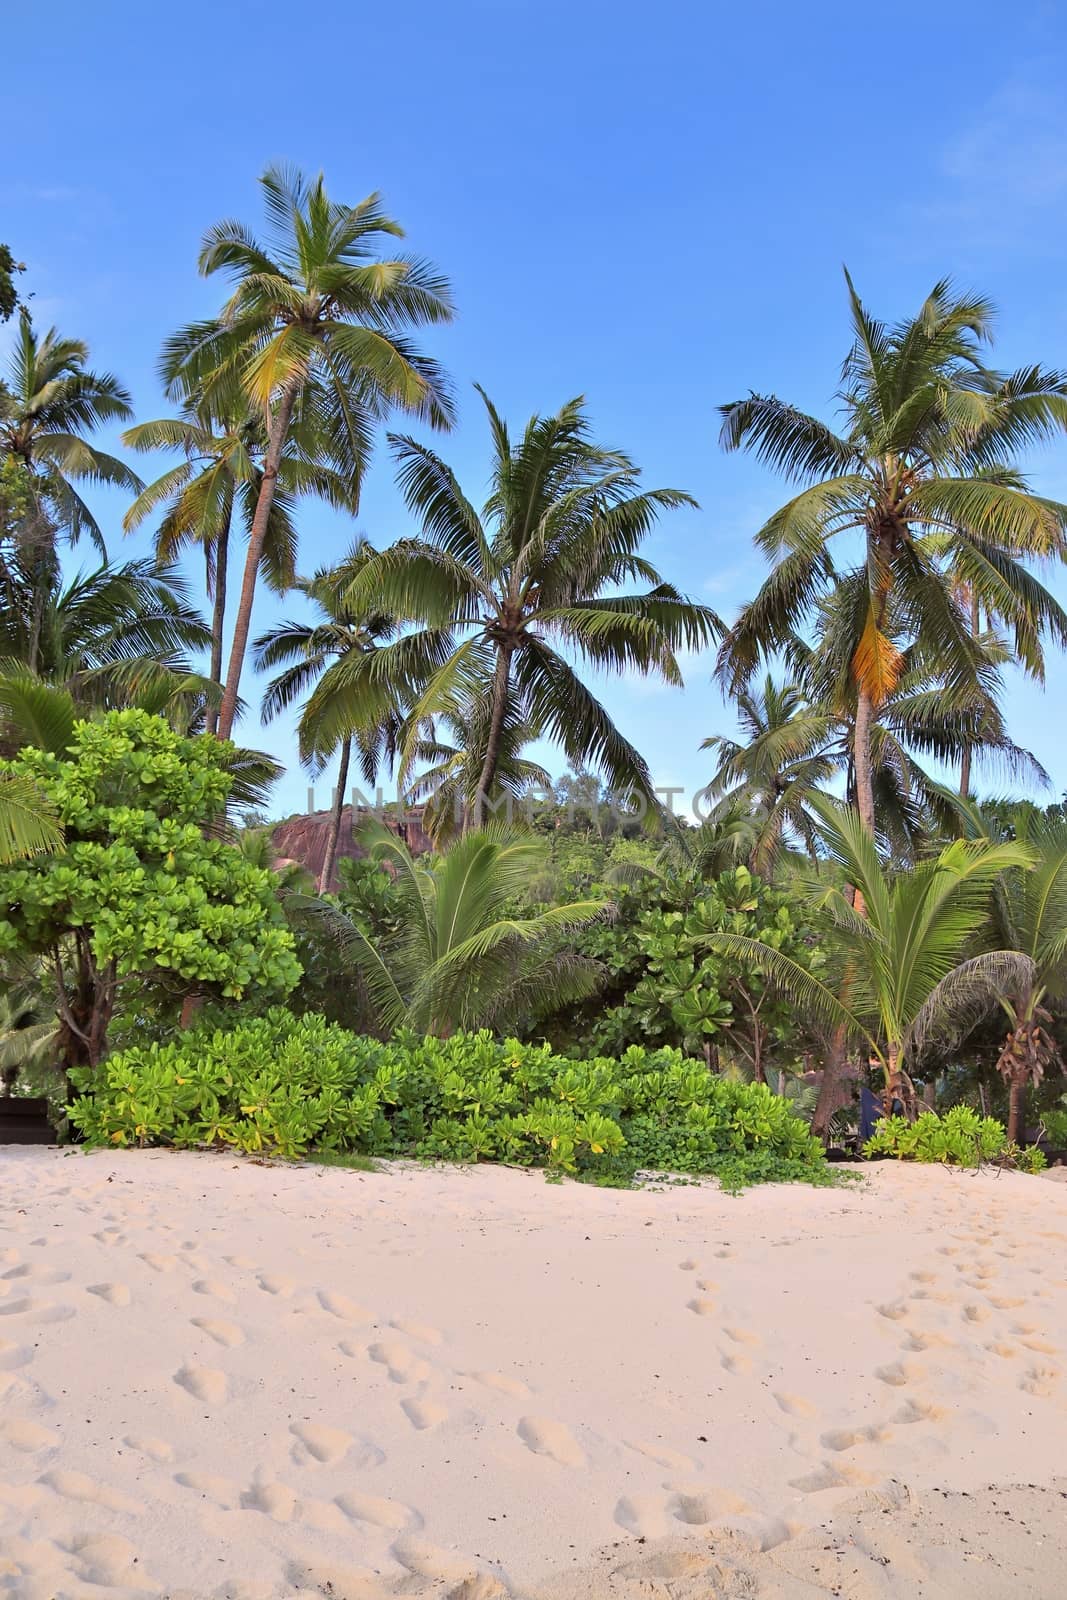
[(222, 474), (908, 977), (28, 824), (352, 698), (449, 758), (51, 401), (923, 414), (786, 754), (315, 329), (537, 574), (463, 958)]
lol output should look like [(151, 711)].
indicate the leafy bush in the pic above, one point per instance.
[(287, 1085), (1055, 1123), (138, 892), (961, 1137)]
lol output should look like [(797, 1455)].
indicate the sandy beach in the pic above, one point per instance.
[(220, 1378)]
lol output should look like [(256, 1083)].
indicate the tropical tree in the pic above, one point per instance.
[(463, 956), (447, 764), (533, 576), (29, 825), (221, 475), (349, 701), (314, 330), (908, 474), (783, 757), (51, 401), (904, 976)]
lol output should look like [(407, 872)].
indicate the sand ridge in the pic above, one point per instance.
[(231, 1381)]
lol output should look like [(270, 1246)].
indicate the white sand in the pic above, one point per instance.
[(225, 1379)]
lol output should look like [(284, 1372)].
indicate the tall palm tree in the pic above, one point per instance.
[(562, 525), (908, 976), (463, 957), (51, 401), (922, 415), (29, 825), (359, 674), (315, 325), (223, 473)]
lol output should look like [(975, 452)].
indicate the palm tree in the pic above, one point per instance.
[(784, 757), (905, 975), (922, 415), (314, 330), (463, 957), (51, 402), (1029, 916), (222, 472), (450, 755), (28, 823), (331, 661), (563, 524)]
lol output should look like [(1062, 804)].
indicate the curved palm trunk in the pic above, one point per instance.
[(218, 612), (496, 733), (279, 430), (1016, 1107), (335, 821)]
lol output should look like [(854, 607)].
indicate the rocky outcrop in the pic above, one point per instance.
[(303, 839)]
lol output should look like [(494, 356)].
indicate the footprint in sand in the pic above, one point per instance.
[(998, 1347), (274, 1500), (418, 1330), (444, 1566), (918, 1340), (831, 1475), (155, 1449), (215, 1290), (322, 1443), (724, 1255), (643, 1515), (206, 1384), (339, 1305), (1040, 1380), (37, 1274), (743, 1336), (547, 1438), (898, 1373), (794, 1405), (702, 1308), (110, 1561), (919, 1411), (220, 1492), (688, 1265), (975, 1313), (224, 1333), (158, 1263), (739, 1365), (378, 1511), (29, 1437), (35, 1310), (1004, 1302), (14, 1355), (403, 1367), (116, 1294), (893, 1311), (848, 1438), (423, 1414), (78, 1486), (274, 1283), (242, 1263), (1033, 1342), (502, 1384), (698, 1507)]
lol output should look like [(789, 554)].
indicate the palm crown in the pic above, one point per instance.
[(52, 400), (531, 576)]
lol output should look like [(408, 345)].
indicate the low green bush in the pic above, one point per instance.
[(960, 1137), (1055, 1124), (287, 1085)]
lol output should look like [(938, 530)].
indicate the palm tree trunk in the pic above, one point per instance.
[(218, 613), (1016, 1107), (864, 767), (335, 821), (496, 732), (965, 760), (279, 430)]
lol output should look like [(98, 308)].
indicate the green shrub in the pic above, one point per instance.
[(1055, 1122), (287, 1085), (960, 1137)]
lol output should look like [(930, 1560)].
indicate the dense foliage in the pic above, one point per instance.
[(139, 889), (285, 1085), (959, 1137)]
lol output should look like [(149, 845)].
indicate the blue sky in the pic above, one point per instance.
[(646, 204)]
